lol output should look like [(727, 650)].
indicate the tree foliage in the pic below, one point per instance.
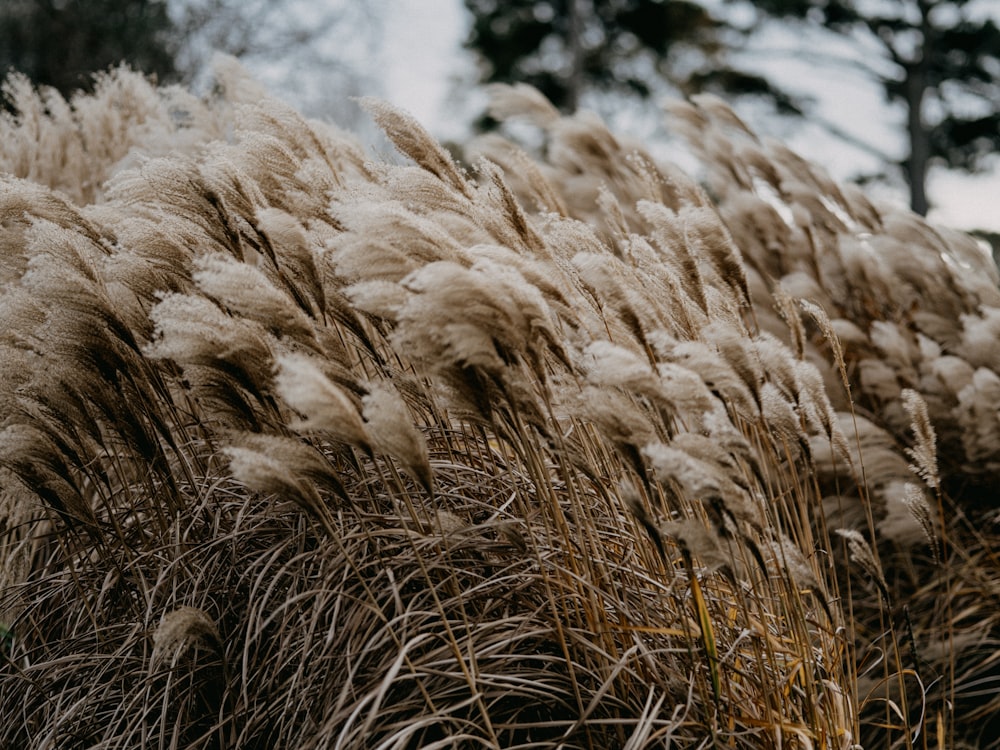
[(60, 43), (943, 67), (940, 60), (566, 48), (298, 47)]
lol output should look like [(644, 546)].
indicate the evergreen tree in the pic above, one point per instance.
[(944, 69), (940, 61), (566, 47), (60, 43)]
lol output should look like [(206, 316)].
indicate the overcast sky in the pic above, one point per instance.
[(421, 60)]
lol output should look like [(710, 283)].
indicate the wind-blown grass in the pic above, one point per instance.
[(304, 449)]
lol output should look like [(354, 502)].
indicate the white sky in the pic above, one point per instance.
[(422, 59)]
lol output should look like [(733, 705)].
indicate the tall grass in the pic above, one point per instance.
[(557, 449)]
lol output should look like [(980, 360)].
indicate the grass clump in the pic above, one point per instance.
[(302, 449)]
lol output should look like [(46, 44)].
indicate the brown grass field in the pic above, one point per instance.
[(523, 447)]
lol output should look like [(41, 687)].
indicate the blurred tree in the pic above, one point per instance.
[(940, 60), (314, 53), (306, 50), (568, 47), (59, 43), (944, 68)]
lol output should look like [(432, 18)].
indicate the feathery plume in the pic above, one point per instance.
[(247, 291), (326, 408), (700, 541), (612, 365), (909, 519), (789, 313), (924, 451), (410, 137), (861, 553), (193, 329), (377, 297), (390, 426), (179, 631), (698, 478), (521, 100), (917, 504), (286, 468), (979, 419), (826, 328)]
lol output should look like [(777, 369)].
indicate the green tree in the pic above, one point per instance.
[(940, 60), (60, 43), (566, 48)]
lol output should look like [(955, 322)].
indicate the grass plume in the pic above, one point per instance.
[(302, 449)]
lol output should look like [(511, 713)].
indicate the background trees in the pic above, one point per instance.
[(315, 53), (943, 68), (305, 49), (60, 43), (567, 48), (936, 63), (939, 61)]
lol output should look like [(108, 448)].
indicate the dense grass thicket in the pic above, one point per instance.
[(544, 446)]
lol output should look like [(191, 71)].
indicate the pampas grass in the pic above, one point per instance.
[(302, 449)]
